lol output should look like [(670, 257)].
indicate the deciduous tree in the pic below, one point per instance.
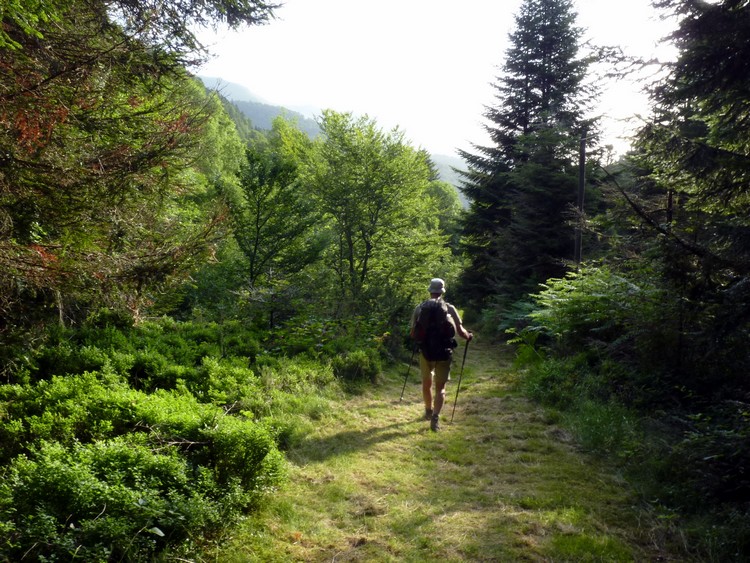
[(275, 215), (372, 187)]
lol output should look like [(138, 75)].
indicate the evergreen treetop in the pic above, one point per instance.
[(520, 187)]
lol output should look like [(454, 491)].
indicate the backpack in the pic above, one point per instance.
[(433, 331)]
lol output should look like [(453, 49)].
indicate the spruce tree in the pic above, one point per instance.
[(109, 153), (694, 155), (517, 231)]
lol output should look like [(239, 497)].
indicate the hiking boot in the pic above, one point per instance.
[(435, 423), (428, 414)]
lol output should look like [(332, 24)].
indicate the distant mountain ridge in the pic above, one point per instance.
[(259, 112), (262, 114), (446, 166), (230, 90)]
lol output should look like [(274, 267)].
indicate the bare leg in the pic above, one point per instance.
[(427, 392), (426, 370), (439, 396), (442, 372)]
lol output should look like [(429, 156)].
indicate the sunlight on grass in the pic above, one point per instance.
[(588, 547), (370, 482)]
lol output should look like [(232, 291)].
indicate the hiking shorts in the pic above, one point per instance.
[(439, 370)]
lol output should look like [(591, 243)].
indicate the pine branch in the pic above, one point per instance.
[(694, 249)]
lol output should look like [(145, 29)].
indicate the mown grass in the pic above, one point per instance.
[(501, 483)]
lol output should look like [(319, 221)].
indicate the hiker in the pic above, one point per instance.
[(436, 345)]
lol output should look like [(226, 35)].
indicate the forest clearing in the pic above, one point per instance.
[(204, 323), (502, 482)]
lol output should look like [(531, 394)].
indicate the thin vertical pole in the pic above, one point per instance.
[(460, 375), (581, 190), (406, 375)]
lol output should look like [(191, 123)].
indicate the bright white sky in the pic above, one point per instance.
[(423, 65)]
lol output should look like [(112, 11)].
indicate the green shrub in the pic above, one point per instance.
[(241, 344), (110, 337), (327, 337), (357, 365), (114, 500), (500, 317), (296, 375), (170, 424), (244, 453), (222, 382), (148, 369), (556, 382), (527, 351), (196, 332), (91, 358), (68, 358), (123, 472), (110, 318), (304, 336), (59, 359), (604, 427), (293, 386), (175, 347), (121, 362), (711, 457), (594, 303), (65, 409), (204, 349), (287, 430)]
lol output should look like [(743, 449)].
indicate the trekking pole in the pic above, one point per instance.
[(460, 375), (408, 367)]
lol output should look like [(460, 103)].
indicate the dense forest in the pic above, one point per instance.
[(179, 289)]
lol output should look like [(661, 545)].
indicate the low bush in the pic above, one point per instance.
[(109, 500), (556, 382), (289, 428), (97, 468), (290, 387), (605, 427), (296, 375), (357, 365), (120, 441), (712, 456), (222, 382)]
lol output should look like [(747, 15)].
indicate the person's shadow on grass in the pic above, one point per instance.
[(312, 449)]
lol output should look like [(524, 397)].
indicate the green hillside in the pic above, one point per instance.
[(261, 114)]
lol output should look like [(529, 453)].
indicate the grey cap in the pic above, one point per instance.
[(436, 286)]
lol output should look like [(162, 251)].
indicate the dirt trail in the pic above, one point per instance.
[(500, 483)]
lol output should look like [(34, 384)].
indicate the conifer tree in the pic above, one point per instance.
[(521, 188), (109, 152), (694, 155)]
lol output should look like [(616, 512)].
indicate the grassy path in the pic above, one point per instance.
[(501, 483)]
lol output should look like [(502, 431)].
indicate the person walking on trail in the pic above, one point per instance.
[(434, 324)]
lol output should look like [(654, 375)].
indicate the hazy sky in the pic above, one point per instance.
[(423, 65)]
